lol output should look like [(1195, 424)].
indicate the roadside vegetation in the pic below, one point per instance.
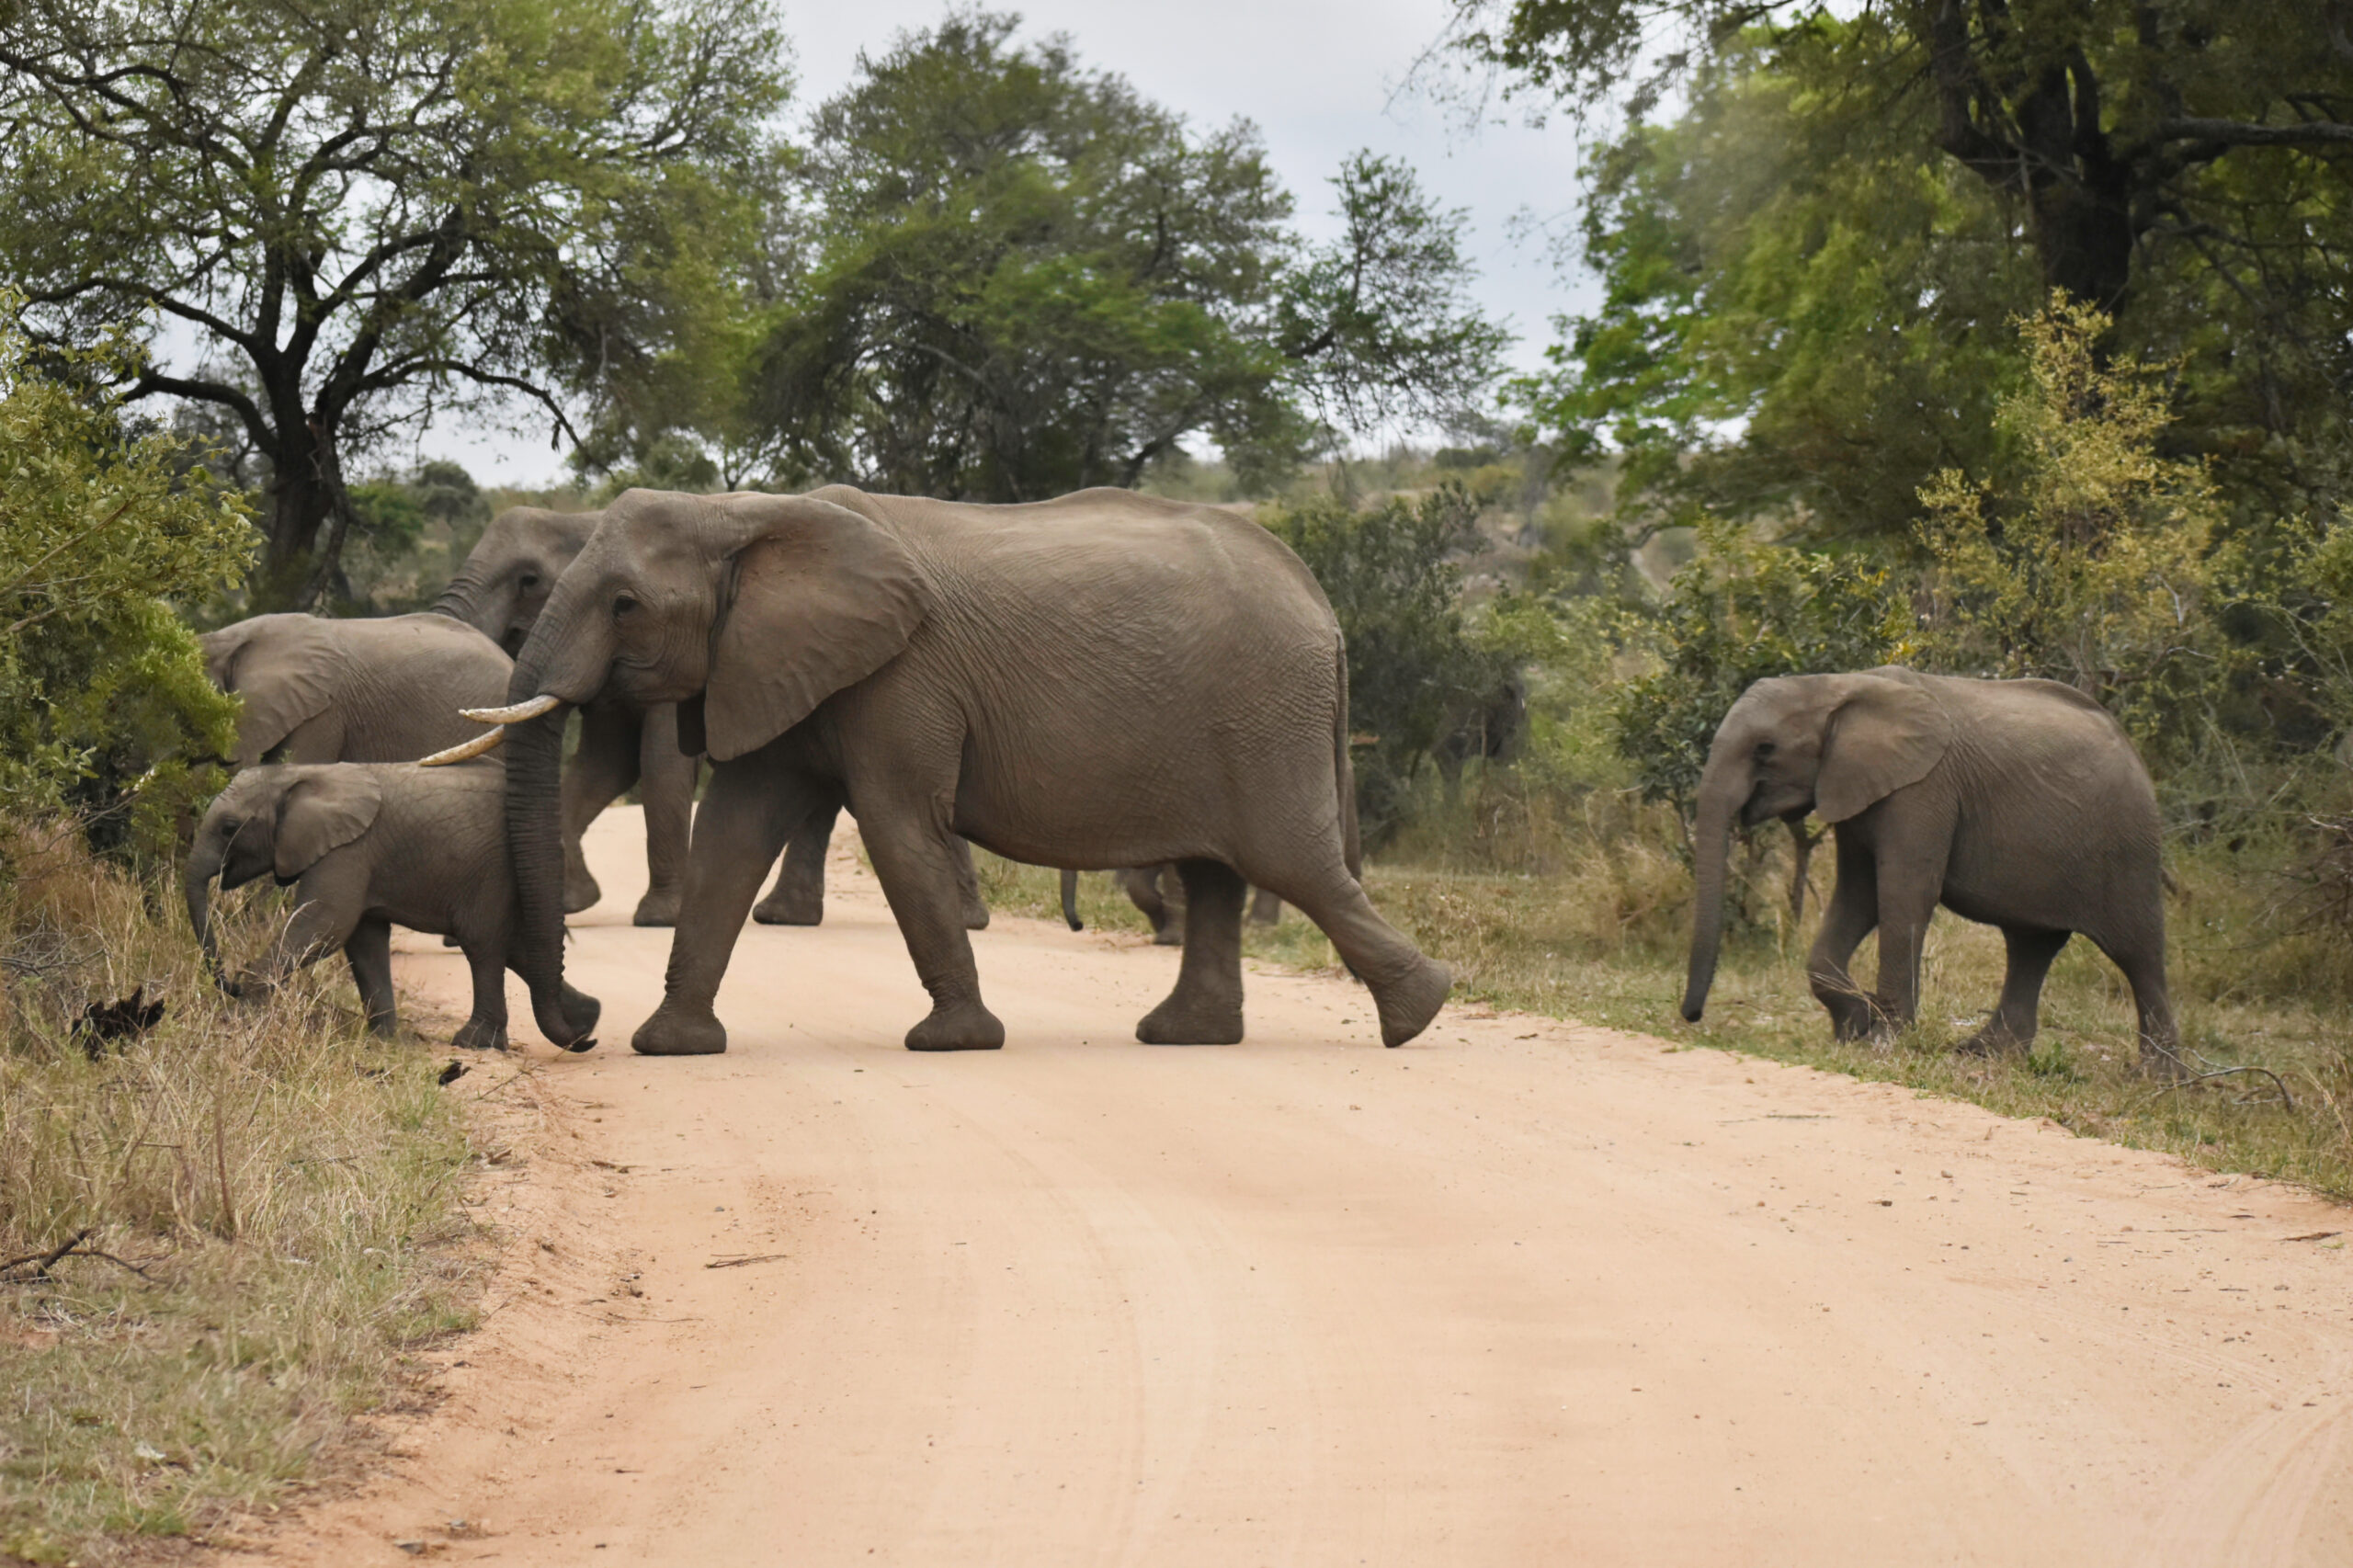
[(220, 1225)]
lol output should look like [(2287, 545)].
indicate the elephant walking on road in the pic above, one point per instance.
[(1159, 892), (912, 661), (500, 590), (366, 847), (2017, 803)]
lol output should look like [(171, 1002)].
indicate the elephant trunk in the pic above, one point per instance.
[(1711, 849), (204, 862), (534, 850)]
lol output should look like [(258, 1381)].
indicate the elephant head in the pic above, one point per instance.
[(274, 821), (284, 666), (1829, 745), (505, 580), (748, 610)]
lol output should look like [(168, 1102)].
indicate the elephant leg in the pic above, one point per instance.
[(604, 765), (1142, 884), (2018, 1014), (666, 786), (2142, 957), (1266, 909), (1206, 1006), (327, 902), (798, 896), (486, 1029), (914, 858), (1408, 988), (1908, 892), (750, 808), (1852, 913), (369, 950), (968, 885)]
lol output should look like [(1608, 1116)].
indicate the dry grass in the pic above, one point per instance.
[(1600, 935), (279, 1191)]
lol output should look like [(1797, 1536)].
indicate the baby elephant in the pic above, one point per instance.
[(2018, 804), (366, 846)]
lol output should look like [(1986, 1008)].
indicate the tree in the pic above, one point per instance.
[(2180, 165), (367, 211), (104, 703), (2104, 117), (1006, 276)]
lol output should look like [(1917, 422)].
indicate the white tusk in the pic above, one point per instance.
[(515, 714), (464, 749)]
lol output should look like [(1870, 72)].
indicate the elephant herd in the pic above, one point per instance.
[(1105, 681)]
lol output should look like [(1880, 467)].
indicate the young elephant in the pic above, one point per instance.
[(366, 846), (2017, 803)]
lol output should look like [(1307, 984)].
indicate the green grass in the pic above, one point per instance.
[(287, 1188), (1599, 936)]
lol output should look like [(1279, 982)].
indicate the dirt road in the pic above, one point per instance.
[(1519, 1293)]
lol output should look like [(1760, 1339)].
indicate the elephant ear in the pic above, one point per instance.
[(1883, 735), (821, 597), (284, 668), (324, 810)]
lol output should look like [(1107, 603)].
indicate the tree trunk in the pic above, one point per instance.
[(307, 523)]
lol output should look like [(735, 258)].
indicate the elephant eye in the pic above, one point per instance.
[(1765, 750), (527, 581), (624, 605)]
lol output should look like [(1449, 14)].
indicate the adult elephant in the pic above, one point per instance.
[(381, 690), (2017, 803), (913, 660), (500, 590)]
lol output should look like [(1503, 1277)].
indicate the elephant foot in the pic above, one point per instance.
[(656, 909), (2162, 1062), (677, 1031), (1171, 935), (580, 892), (976, 916), (1994, 1041), (1407, 1005), (782, 908), (967, 1026), (1192, 1020), (480, 1034)]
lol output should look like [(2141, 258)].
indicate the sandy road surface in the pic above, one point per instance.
[(1519, 1293)]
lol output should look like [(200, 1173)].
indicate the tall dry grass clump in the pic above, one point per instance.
[(251, 1198)]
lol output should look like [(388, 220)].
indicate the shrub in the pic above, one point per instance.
[(2099, 562), (104, 703)]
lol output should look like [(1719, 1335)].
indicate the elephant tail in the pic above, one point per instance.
[(1070, 900), (1344, 772)]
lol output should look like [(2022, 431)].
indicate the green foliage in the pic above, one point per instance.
[(104, 703), (1810, 271), (1415, 668), (2099, 561), (1742, 610), (410, 532), (371, 211), (1003, 276)]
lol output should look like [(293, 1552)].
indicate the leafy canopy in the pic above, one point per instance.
[(104, 702), (371, 211)]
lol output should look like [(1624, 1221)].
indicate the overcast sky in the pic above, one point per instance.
[(1317, 76)]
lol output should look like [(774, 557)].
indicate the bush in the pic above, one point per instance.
[(2099, 562), (1415, 669), (104, 703)]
